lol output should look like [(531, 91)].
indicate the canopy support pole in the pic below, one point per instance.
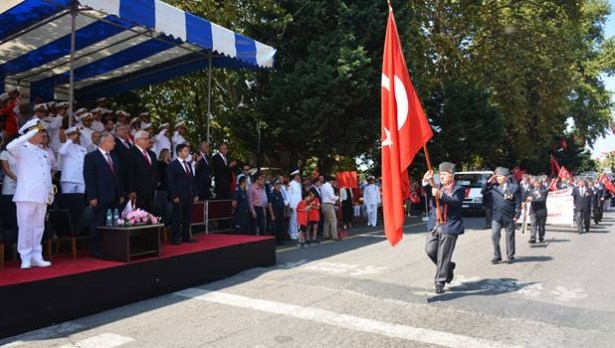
[(208, 125), (71, 92)]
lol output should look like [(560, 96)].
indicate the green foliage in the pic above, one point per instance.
[(498, 80)]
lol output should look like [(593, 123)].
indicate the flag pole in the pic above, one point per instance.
[(433, 184)]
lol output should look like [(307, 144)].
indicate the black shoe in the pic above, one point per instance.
[(191, 240), (451, 273), (511, 260), (495, 260), (439, 288), (532, 241), (541, 240)]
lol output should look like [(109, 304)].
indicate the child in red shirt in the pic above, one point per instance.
[(313, 219), (302, 217)]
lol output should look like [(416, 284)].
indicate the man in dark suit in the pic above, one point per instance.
[(488, 206), (203, 178), (506, 211), (103, 184), (442, 235), (538, 199), (223, 172), (598, 201), (315, 189), (583, 197), (142, 170), (123, 145), (182, 192)]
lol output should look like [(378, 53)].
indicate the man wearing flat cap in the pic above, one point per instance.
[(32, 193), (506, 211), (442, 235)]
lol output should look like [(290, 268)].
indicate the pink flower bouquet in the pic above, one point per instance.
[(137, 217)]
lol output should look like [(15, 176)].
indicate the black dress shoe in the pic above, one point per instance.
[(451, 275), (439, 288), (541, 240), (495, 260), (532, 241), (511, 260)]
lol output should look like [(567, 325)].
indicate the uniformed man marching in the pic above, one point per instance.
[(537, 196), (371, 199), (442, 235), (506, 212), (33, 192), (73, 156)]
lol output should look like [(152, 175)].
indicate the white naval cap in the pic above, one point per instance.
[(96, 110), (62, 105), (295, 172), (146, 126), (145, 113), (163, 126), (121, 112), (32, 124), (180, 124), (134, 120), (74, 129), (101, 99), (51, 104), (85, 115), (80, 111), (39, 107)]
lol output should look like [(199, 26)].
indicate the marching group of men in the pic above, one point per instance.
[(505, 201)]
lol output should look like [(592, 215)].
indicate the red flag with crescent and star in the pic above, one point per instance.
[(405, 130)]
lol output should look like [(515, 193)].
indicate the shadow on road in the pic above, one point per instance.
[(483, 287)]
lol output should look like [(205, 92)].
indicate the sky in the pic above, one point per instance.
[(607, 144)]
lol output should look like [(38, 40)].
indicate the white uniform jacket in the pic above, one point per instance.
[(33, 170), (73, 156)]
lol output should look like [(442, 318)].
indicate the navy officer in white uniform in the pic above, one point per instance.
[(32, 193), (73, 156)]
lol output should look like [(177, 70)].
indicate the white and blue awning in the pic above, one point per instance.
[(120, 45)]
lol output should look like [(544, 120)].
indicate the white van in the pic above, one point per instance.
[(473, 182)]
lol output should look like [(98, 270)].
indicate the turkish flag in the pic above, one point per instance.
[(405, 130), (564, 173), (607, 183), (553, 185)]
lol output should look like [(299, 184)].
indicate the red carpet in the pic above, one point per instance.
[(64, 265)]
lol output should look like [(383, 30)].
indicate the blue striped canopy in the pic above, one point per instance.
[(120, 45)]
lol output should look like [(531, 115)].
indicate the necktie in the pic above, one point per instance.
[(186, 168), (149, 160), (224, 158), (110, 162)]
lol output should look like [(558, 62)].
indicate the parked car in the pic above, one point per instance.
[(473, 182)]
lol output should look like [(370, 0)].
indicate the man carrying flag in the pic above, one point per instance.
[(442, 235), (405, 130)]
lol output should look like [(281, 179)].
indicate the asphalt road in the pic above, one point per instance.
[(364, 293)]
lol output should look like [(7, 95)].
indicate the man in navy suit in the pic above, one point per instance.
[(203, 178), (103, 184), (142, 172), (442, 235), (583, 197), (182, 192), (506, 211)]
